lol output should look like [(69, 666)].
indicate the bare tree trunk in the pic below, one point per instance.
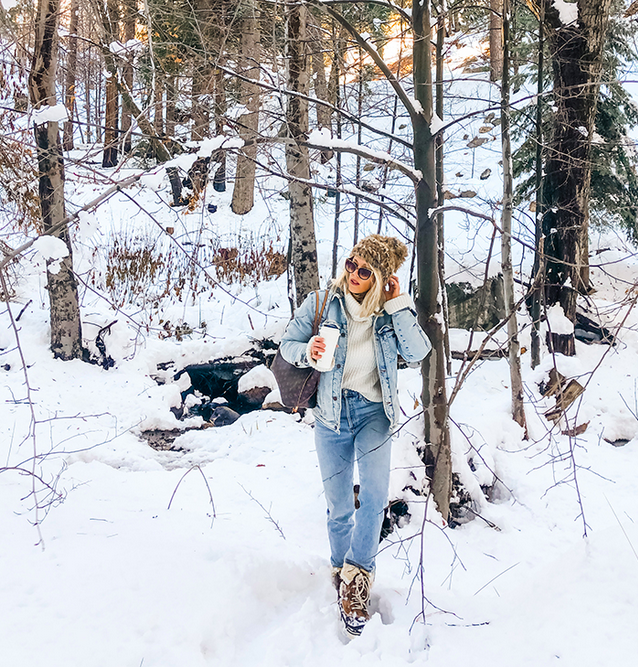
[(538, 272), (158, 105), (244, 190), (130, 23), (160, 151), (219, 178), (516, 380), (357, 168), (437, 456), (324, 113), (111, 135), (87, 94), (66, 329), (71, 75), (171, 99), (335, 79), (202, 78), (302, 226), (496, 46), (576, 51), (440, 182)]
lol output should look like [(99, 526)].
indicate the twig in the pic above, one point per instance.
[(267, 512), (32, 426), (496, 577), (210, 495), (621, 527)]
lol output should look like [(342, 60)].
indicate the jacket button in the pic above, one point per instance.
[(338, 365), (334, 398)]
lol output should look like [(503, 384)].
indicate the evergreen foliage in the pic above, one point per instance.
[(614, 182)]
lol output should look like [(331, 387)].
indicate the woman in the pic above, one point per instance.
[(357, 405)]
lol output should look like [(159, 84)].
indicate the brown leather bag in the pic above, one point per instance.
[(298, 386)]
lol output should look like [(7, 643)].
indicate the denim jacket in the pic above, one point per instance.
[(394, 334)]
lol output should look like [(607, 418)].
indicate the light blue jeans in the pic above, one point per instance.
[(364, 438)]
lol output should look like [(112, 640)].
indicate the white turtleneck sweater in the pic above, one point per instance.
[(360, 372)]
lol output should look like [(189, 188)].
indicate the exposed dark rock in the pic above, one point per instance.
[(588, 331), (619, 442), (476, 308), (396, 514), (253, 398), (461, 504), (163, 440), (224, 416)]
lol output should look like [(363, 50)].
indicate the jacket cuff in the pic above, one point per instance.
[(399, 303)]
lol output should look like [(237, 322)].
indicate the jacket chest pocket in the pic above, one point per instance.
[(388, 339)]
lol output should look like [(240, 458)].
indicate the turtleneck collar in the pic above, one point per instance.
[(354, 308)]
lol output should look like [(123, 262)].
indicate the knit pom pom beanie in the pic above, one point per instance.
[(384, 253)]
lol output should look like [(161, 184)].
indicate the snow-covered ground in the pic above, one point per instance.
[(215, 553)]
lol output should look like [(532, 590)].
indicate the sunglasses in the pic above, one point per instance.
[(352, 267)]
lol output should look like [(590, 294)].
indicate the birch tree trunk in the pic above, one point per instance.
[(516, 380), (302, 226), (71, 75), (437, 456), (244, 190), (440, 181), (66, 329), (496, 46)]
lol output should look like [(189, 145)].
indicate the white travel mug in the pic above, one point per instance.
[(330, 334)]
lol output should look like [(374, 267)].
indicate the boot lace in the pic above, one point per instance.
[(359, 593)]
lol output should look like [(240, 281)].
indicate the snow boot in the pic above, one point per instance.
[(335, 577), (354, 596)]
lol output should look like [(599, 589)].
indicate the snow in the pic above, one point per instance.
[(49, 248), (418, 107), (323, 139), (132, 46), (214, 552), (568, 11), (558, 323), (50, 114), (209, 146), (259, 376), (437, 124)]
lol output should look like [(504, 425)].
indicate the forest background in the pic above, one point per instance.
[(176, 177)]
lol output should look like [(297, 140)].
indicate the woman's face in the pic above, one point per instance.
[(356, 284)]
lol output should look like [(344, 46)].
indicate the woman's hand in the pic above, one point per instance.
[(391, 289), (317, 348)]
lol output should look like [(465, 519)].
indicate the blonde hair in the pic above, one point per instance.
[(374, 299)]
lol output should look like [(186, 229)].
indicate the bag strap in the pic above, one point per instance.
[(319, 313)]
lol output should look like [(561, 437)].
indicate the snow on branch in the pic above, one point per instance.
[(316, 100), (56, 113), (567, 11), (321, 139)]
